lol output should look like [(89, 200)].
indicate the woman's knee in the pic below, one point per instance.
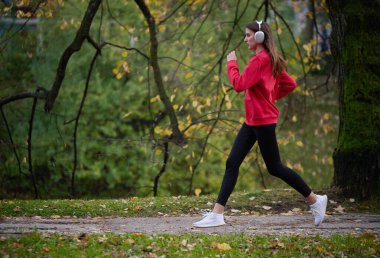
[(275, 169)]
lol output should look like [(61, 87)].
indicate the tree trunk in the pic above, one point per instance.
[(355, 42)]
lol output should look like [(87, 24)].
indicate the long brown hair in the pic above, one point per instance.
[(278, 62)]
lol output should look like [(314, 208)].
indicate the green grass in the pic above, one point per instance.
[(280, 200), (141, 245)]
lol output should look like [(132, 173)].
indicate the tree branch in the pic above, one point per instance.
[(77, 122), (163, 168), (11, 139), (82, 34), (40, 94), (176, 136), (30, 162)]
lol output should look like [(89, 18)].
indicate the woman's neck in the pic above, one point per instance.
[(259, 48)]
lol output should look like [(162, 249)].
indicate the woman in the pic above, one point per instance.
[(264, 80)]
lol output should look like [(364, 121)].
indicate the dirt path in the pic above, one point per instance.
[(260, 225)]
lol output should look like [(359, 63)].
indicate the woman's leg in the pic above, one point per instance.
[(266, 137), (243, 143)]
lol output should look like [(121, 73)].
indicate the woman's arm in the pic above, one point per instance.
[(286, 84), (250, 76)]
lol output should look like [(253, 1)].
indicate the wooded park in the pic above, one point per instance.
[(122, 120)]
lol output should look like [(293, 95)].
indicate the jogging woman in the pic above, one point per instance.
[(264, 81)]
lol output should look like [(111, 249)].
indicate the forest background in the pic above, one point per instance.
[(122, 139)]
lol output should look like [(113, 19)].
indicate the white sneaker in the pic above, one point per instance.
[(318, 209), (210, 219)]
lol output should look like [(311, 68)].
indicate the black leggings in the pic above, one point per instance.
[(266, 137)]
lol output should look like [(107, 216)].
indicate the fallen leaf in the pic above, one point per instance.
[(339, 209), (129, 241), (224, 247), (234, 210), (266, 207), (197, 191)]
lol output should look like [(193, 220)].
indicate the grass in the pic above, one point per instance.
[(279, 201), (141, 245)]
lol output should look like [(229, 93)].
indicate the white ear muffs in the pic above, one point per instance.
[(259, 35)]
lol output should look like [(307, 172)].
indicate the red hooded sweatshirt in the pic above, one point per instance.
[(261, 88)]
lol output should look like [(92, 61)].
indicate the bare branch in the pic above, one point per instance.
[(11, 139), (173, 12), (30, 162), (163, 168), (82, 34), (41, 94), (129, 49), (77, 122), (181, 63)]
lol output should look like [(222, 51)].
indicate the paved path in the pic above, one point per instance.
[(260, 225)]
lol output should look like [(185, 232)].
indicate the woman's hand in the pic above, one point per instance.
[(231, 56)]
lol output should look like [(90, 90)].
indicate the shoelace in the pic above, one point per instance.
[(205, 213)]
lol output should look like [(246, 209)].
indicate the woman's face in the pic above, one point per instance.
[(250, 39)]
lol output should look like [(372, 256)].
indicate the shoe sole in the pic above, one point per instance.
[(324, 210), (208, 226)]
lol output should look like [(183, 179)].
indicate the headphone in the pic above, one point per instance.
[(259, 35)]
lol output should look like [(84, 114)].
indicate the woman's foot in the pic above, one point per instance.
[(318, 209), (210, 219)]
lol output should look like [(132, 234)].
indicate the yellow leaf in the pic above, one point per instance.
[(188, 75), (224, 247), (197, 191), (158, 152), (129, 241), (299, 144), (119, 75), (187, 58), (115, 71), (195, 103), (224, 89), (294, 118), (155, 99), (124, 54), (161, 27), (175, 106), (126, 115)]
